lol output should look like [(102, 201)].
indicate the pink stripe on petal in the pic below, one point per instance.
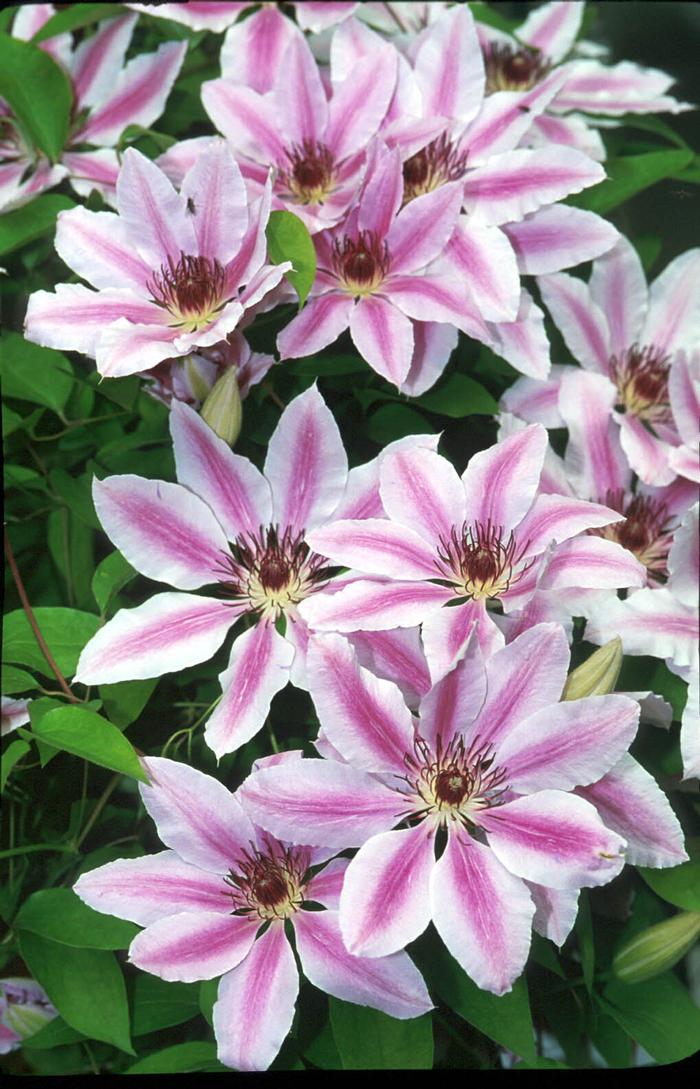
[(482, 913), (581, 321), (618, 286), (552, 28), (365, 718), (449, 67), (440, 295), (246, 119), (382, 190), (557, 518), (232, 486), (500, 483), (97, 247), (196, 815), (321, 803), (594, 460), (298, 96), (167, 633), (306, 464), (383, 335), (139, 95), (192, 946), (391, 984), (397, 656), (74, 317), (484, 257), (569, 744), (162, 529), (421, 489), (453, 703), (673, 320), (257, 670), (649, 622), (559, 237), (506, 116), (552, 839), (647, 455), (321, 322), (359, 105), (526, 676), (445, 635), (629, 801), (152, 211), (253, 49), (216, 189), (368, 605), (98, 59), (423, 228), (593, 563), (255, 1006), (536, 401), (144, 890), (127, 348), (325, 886), (385, 902)]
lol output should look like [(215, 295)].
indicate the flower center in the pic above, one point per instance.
[(456, 782), (309, 178), (641, 377), (647, 530), (511, 69), (478, 562), (361, 263), (273, 572), (269, 883), (191, 290), (431, 167)]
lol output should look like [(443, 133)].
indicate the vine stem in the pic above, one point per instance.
[(32, 620)]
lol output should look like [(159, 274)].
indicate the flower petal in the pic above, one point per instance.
[(485, 258), (359, 104), (74, 318), (215, 188), (144, 890), (618, 286), (165, 634), (592, 563), (581, 321), (423, 228), (552, 28), (257, 670), (421, 490), (449, 67), (559, 517), (253, 48), (321, 803), (153, 213), (552, 839), (482, 913), (385, 901), (368, 605), (445, 634), (320, 323), (247, 119), (300, 102), (306, 463), (375, 546), (391, 984), (649, 622), (192, 946), (559, 237), (255, 1006), (97, 247), (500, 483), (162, 529), (452, 704), (595, 462), (555, 911), (383, 335), (397, 656)]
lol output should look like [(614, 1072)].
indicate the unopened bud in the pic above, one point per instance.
[(658, 948), (196, 376), (597, 675), (222, 408)]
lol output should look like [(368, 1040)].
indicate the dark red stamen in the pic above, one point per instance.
[(310, 173), (438, 163), (361, 262), (192, 286), (513, 69)]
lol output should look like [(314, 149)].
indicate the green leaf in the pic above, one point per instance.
[(629, 176), (658, 1014), (62, 916), (55, 1034), (66, 631), (289, 240), (85, 985), (486, 13), (35, 374), (77, 494), (370, 1040), (158, 1004), (392, 422), (324, 366), (11, 756), (459, 396), (31, 221), (180, 1059), (584, 932), (208, 990), (125, 700), (110, 575), (84, 733), (505, 1019), (612, 1041), (74, 17), (16, 680), (679, 885), (690, 173), (39, 93)]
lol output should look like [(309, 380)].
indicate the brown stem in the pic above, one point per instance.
[(273, 396), (32, 620)]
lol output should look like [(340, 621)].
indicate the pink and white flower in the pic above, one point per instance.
[(490, 766), (543, 45), (217, 15), (24, 1009), (227, 525), (15, 713), (664, 623), (192, 378), (452, 546), (109, 95), (215, 904), (173, 272), (634, 337)]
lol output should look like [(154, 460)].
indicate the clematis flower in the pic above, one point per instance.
[(15, 713), (483, 779), (24, 1009), (453, 546), (217, 15), (617, 328), (229, 526), (191, 379), (315, 145), (664, 623), (108, 95), (173, 272), (542, 45), (216, 904)]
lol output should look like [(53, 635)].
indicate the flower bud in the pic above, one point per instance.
[(597, 675), (658, 948), (195, 368), (222, 408)]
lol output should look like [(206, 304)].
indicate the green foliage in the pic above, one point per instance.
[(66, 631), (31, 221), (39, 375), (289, 240), (367, 1039), (39, 94), (83, 733), (629, 176), (62, 916), (75, 17), (195, 1056)]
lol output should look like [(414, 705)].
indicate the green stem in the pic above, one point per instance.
[(60, 848)]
